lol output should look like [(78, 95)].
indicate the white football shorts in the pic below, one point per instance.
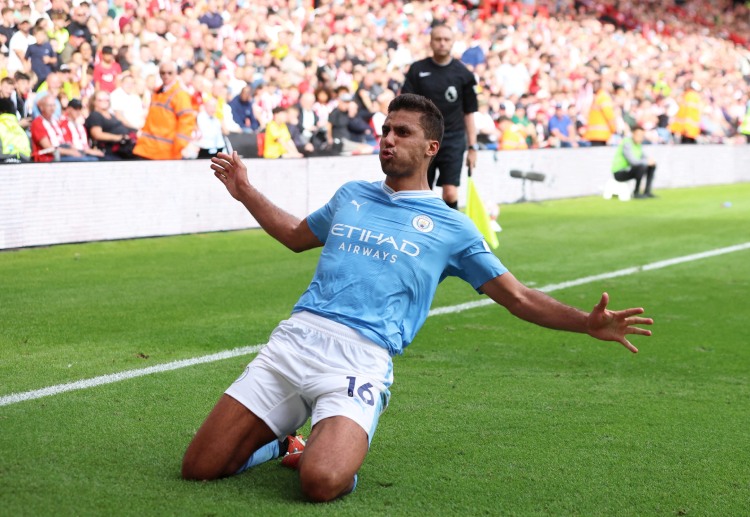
[(315, 367)]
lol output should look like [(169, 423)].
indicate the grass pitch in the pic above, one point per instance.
[(489, 415)]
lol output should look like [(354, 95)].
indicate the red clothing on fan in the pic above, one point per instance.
[(105, 76)]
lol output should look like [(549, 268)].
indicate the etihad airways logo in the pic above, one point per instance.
[(372, 244)]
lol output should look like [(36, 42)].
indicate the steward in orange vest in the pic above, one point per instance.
[(687, 121), (170, 122), (601, 123)]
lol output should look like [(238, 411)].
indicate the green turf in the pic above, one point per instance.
[(489, 415)]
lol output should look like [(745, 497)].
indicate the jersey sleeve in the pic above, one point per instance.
[(471, 104), (408, 86), (476, 265)]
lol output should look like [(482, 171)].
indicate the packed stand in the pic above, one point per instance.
[(154, 79)]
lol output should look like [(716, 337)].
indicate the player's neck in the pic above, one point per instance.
[(400, 184), (442, 61)]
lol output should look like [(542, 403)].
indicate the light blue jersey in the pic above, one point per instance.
[(385, 254)]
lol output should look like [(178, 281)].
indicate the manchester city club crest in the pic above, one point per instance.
[(423, 224)]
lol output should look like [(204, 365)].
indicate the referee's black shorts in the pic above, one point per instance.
[(449, 160)]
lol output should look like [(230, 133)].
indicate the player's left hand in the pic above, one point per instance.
[(471, 159), (610, 325)]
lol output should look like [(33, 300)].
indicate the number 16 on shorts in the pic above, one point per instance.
[(363, 392)]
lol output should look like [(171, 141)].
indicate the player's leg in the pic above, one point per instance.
[(230, 435), (335, 450), (249, 423), (450, 161)]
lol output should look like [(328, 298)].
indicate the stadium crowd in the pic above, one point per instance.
[(320, 72)]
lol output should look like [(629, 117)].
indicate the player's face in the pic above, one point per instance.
[(404, 149), (441, 42)]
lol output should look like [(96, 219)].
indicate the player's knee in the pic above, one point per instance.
[(320, 485), (194, 469)]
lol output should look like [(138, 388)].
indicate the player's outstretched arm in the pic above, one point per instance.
[(292, 232), (536, 307)]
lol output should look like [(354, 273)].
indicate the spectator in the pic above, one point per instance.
[(293, 124), (279, 143), (210, 133), (561, 129), (19, 43), (58, 35), (106, 71), (80, 16), (521, 120), (74, 42), (107, 132), (541, 130), (243, 110), (630, 162), (7, 87), (170, 121), (14, 142), (311, 130), (41, 55), (53, 87), (47, 139), (512, 136), (20, 97), (7, 27), (74, 132), (126, 104), (487, 132), (324, 105), (339, 121)]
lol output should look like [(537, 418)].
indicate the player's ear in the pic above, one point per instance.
[(433, 146)]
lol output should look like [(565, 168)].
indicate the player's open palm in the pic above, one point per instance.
[(231, 172), (610, 325)]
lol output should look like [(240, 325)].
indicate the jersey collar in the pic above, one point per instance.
[(407, 194)]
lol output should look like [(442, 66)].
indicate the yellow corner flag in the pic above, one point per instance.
[(477, 213)]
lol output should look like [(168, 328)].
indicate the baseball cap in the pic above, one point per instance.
[(75, 104), (65, 68)]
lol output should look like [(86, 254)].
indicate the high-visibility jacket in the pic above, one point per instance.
[(169, 125), (601, 121), (513, 138), (15, 142), (620, 161), (688, 118), (745, 126)]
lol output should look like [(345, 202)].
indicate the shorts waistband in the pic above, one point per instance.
[(335, 329)]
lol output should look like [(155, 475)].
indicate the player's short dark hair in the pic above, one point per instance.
[(431, 119)]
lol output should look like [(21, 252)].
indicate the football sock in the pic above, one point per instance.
[(269, 451), (453, 205)]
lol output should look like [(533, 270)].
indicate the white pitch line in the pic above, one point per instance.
[(127, 374), (14, 398)]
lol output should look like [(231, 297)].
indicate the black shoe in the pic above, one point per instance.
[(649, 194), (638, 195)]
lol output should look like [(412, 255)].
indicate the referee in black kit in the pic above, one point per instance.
[(450, 85)]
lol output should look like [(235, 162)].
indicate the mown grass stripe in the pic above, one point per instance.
[(14, 398)]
